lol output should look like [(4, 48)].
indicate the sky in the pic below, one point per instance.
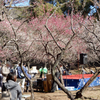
[(93, 10), (22, 3)]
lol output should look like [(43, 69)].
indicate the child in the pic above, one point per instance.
[(13, 87)]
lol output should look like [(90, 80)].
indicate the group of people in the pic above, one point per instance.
[(11, 75), (8, 81)]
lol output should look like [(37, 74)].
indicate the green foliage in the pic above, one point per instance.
[(44, 9)]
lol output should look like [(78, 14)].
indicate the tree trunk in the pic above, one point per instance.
[(61, 86), (61, 76), (32, 92), (79, 93), (30, 80)]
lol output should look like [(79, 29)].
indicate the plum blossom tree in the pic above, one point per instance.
[(33, 39), (57, 39), (47, 37)]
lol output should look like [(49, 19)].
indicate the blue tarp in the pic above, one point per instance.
[(79, 83)]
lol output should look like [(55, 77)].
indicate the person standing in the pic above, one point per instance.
[(45, 70), (41, 71), (13, 87), (21, 75)]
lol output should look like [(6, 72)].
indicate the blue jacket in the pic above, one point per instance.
[(19, 72)]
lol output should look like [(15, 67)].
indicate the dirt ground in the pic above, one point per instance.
[(92, 93)]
